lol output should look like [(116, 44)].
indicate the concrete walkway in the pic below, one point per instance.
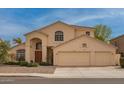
[(77, 72)]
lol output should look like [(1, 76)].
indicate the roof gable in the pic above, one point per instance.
[(60, 22), (121, 36), (96, 40)]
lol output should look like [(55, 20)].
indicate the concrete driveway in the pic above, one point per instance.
[(77, 72), (89, 72)]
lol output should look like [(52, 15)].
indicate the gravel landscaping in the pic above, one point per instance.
[(18, 69)]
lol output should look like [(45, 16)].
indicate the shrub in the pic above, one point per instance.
[(23, 63), (122, 62), (44, 64), (11, 63), (32, 65)]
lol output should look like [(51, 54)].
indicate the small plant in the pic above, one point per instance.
[(32, 65), (11, 63), (44, 64), (23, 63), (122, 62)]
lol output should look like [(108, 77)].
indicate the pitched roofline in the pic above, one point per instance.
[(85, 36), (18, 45), (35, 31), (117, 37), (105, 43), (46, 27), (72, 26), (84, 26)]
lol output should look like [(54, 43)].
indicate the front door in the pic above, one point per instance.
[(38, 56)]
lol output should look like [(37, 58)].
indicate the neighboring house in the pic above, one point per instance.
[(119, 42), (63, 44)]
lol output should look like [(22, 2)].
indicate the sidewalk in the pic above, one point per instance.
[(79, 72)]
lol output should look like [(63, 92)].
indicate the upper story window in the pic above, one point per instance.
[(38, 45), (59, 36), (88, 33)]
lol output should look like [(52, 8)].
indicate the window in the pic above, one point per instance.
[(84, 45), (88, 33), (59, 36), (38, 45), (116, 44), (20, 55)]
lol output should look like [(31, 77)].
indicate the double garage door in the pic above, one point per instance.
[(84, 59)]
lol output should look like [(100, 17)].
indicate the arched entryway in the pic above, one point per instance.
[(36, 50)]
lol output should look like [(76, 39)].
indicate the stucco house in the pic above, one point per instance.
[(63, 44)]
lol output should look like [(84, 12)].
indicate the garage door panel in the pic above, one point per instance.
[(103, 58), (74, 59)]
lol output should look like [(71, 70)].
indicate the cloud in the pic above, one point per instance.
[(15, 23), (75, 16), (9, 29)]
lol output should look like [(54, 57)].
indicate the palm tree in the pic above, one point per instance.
[(4, 47), (103, 33), (17, 41)]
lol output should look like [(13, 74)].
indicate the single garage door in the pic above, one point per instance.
[(103, 58), (74, 59)]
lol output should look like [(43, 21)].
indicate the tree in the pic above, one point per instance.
[(4, 48), (103, 33), (17, 41)]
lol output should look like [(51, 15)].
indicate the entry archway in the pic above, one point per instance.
[(36, 50)]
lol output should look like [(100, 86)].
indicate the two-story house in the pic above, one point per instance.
[(63, 44)]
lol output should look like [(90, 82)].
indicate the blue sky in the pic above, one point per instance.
[(16, 22)]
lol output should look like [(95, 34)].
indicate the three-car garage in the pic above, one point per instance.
[(84, 59), (96, 53)]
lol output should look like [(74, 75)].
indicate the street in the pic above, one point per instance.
[(40, 80)]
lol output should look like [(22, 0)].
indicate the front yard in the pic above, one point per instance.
[(19, 69)]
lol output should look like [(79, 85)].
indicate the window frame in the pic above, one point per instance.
[(20, 55), (38, 46), (59, 36), (84, 45), (88, 33)]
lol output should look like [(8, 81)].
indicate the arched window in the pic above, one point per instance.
[(59, 36)]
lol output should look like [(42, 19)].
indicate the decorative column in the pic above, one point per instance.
[(27, 48)]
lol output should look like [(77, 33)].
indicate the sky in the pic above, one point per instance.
[(15, 22)]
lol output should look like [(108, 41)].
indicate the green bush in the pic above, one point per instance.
[(44, 64), (11, 63), (32, 65), (122, 62), (23, 63)]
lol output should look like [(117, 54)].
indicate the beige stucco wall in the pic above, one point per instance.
[(18, 47), (69, 33), (83, 32), (50, 31), (93, 46)]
